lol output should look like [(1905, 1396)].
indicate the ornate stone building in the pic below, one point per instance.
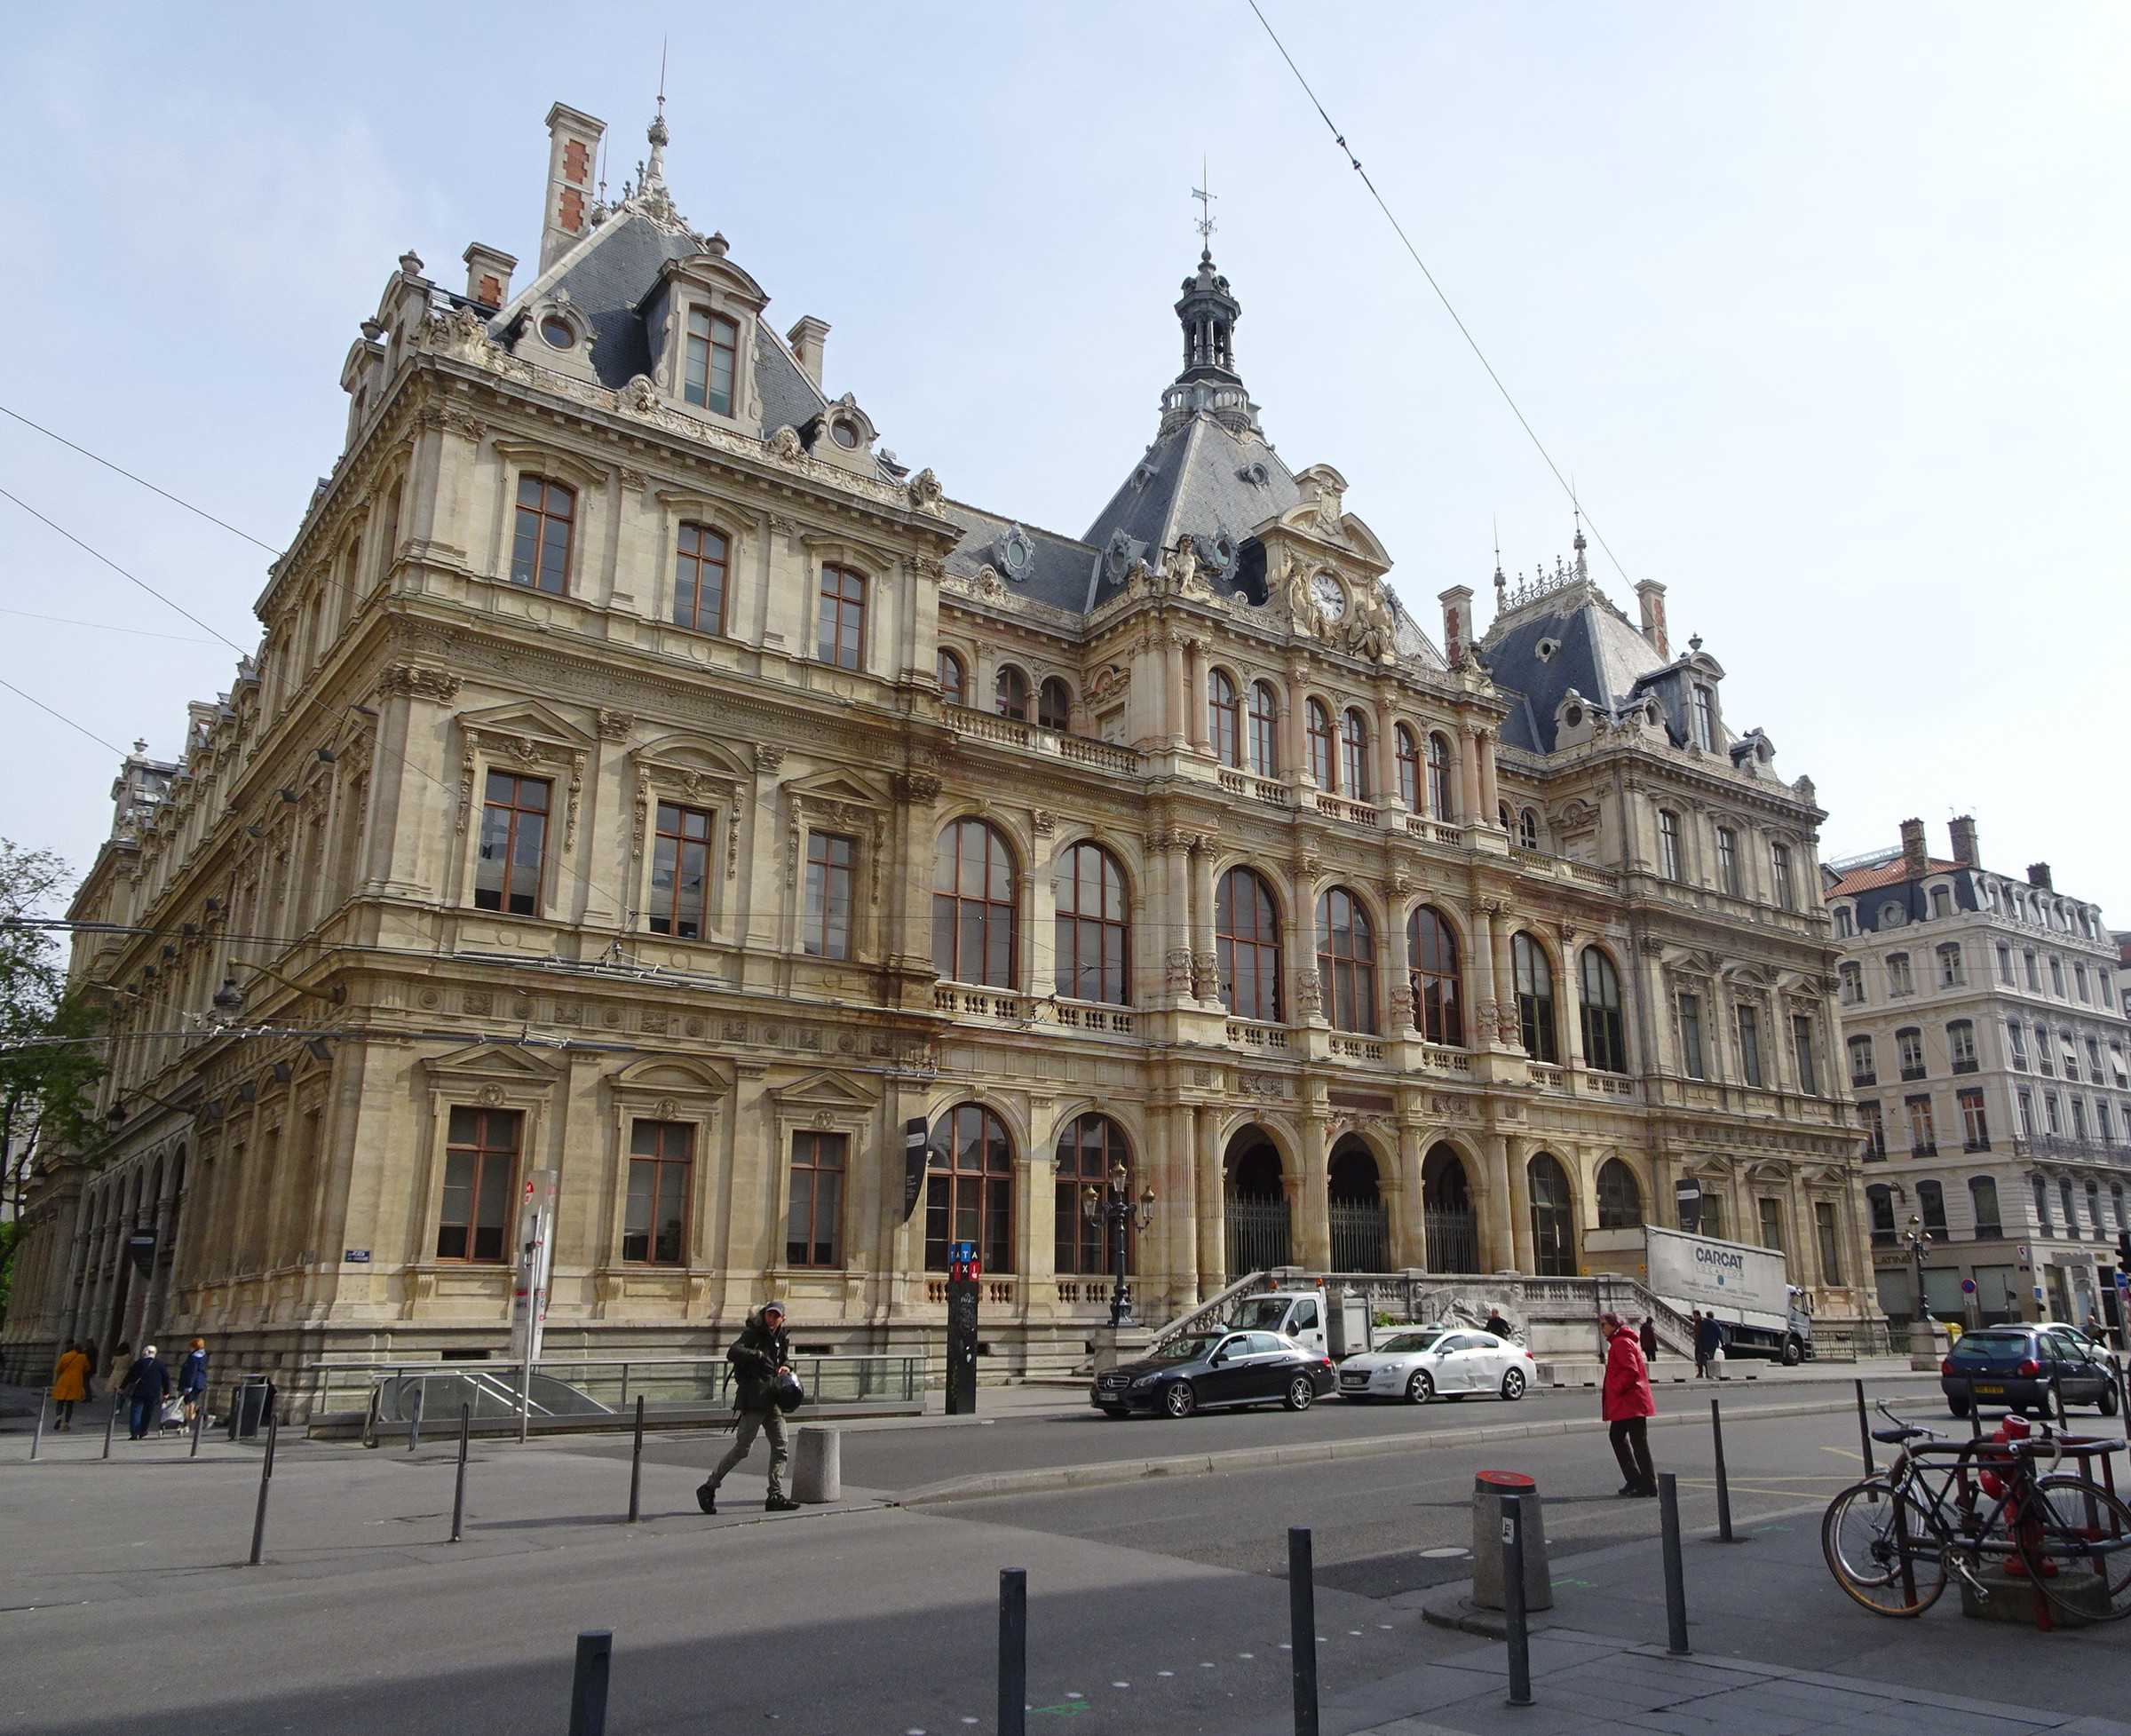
[(647, 779)]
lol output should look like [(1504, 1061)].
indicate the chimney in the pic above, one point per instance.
[(1457, 623), (488, 274), (1964, 840), (573, 166), (1916, 860), (2038, 875), (1651, 595), (806, 339)]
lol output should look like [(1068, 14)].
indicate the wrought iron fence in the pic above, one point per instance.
[(1257, 1234), (1453, 1238), (1361, 1236)]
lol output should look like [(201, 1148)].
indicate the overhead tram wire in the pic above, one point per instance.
[(1339, 139), (61, 716)]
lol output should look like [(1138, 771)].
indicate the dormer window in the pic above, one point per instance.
[(1705, 719), (845, 433), (557, 333), (713, 356)]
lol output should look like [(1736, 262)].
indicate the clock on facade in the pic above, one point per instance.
[(1325, 590)]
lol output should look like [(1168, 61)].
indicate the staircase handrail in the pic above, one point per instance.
[(1215, 1308)]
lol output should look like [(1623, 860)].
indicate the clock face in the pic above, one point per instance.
[(1329, 598)]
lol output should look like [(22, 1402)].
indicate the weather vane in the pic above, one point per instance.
[(1205, 225)]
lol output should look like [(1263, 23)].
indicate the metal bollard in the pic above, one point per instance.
[(199, 1423), (413, 1422), (588, 1684), (37, 1435), (1675, 1577), (1301, 1628), (1513, 1600), (636, 1462), (258, 1518), (458, 1490), (1865, 1431), (1013, 1651), (111, 1423), (1975, 1415), (1723, 1482)]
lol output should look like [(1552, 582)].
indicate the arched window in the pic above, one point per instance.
[(1668, 843), (1535, 998), (969, 1188), (1346, 961), (840, 634), (1010, 690), (1226, 716), (1264, 730), (1089, 1150), (1054, 705), (698, 579), (1620, 1199), (1431, 955), (1501, 814), (1527, 829), (1093, 953), (1354, 756), (1407, 752), (1321, 744), (973, 905), (1440, 803), (954, 684), (1246, 936), (540, 549), (1553, 1219), (1605, 1042)]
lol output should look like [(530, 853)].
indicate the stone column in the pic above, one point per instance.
[(1505, 980), (1312, 1238), (1492, 1206), (1491, 792), (1206, 957), (1173, 724), (1568, 998), (1198, 696), (1176, 929), (1387, 761), (1298, 745), (1409, 1239), (1519, 1157), (1482, 1014), (1177, 1211), (1205, 1129), (1469, 779)]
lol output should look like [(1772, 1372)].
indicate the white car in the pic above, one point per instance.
[(1435, 1361)]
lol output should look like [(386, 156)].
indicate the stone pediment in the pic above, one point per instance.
[(495, 1061), (825, 1090), (671, 1073), (687, 753), (525, 719)]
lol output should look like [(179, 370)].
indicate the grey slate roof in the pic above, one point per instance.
[(1059, 570), (788, 398), (1598, 654), (606, 281)]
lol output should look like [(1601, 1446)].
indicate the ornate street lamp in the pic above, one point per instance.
[(1115, 1207), (1917, 1242)]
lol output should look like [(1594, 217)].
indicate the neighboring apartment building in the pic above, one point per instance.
[(1986, 1044), (647, 781)]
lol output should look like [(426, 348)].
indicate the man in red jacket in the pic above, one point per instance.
[(1626, 1402)]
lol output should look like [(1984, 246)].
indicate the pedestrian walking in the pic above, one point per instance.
[(114, 1374), (1708, 1346), (69, 1385), (1626, 1403), (1649, 1339), (761, 1357), (144, 1386), (1701, 1362), (1498, 1325), (192, 1379)]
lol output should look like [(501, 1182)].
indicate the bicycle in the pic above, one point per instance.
[(1891, 1540)]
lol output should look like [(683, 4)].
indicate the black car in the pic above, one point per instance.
[(1206, 1370), (2012, 1366)]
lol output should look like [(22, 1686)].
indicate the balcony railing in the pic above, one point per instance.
[(1236, 783), (1249, 1034), (2083, 1151), (1337, 807)]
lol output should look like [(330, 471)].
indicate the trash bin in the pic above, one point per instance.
[(248, 1408), (1488, 1487)]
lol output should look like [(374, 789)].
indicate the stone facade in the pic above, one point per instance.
[(518, 849)]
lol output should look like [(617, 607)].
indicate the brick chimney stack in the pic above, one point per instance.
[(1457, 623), (1964, 841), (2038, 875), (488, 274), (1916, 860), (573, 170), (1651, 595)]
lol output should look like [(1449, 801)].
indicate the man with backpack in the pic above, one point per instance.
[(761, 1358)]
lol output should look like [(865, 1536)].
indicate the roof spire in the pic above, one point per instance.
[(1205, 225), (1582, 572)]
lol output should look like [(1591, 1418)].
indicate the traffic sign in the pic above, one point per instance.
[(1968, 1287)]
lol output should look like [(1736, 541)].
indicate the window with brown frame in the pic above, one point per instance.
[(974, 906), (1431, 955), (1010, 693), (1534, 978), (698, 579), (1088, 1149), (1354, 755), (969, 1188), (1224, 709), (1321, 744), (480, 1176), (953, 687), (1407, 752), (662, 1165), (1346, 961), (813, 1224), (1054, 705), (1247, 939), (539, 551), (711, 364), (513, 848), (680, 872), (842, 625), (1264, 730), (828, 864), (1093, 935), (1441, 804)]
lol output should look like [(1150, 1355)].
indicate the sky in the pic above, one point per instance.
[(1819, 307)]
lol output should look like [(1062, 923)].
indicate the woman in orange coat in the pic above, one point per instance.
[(69, 1383)]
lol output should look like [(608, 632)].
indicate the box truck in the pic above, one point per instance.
[(1748, 1289)]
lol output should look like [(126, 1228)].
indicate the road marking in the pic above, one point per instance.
[(1443, 1554), (1164, 1672), (1844, 1453), (1121, 1685)]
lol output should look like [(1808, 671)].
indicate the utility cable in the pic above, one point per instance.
[(62, 717), (1339, 139), (108, 627)]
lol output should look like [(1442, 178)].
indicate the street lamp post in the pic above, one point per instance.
[(1115, 1208), (1917, 1242)]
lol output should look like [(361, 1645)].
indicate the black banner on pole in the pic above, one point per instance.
[(914, 1163), (1687, 1192)]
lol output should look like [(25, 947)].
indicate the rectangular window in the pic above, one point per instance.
[(2116, 1065), (829, 861), (1801, 1047), (1705, 719), (2033, 981), (680, 872), (1909, 1047), (2103, 1122), (1853, 975), (1876, 1131), (1951, 973), (2017, 1036), (1779, 863), (1960, 1046), (1900, 981), (713, 350), (1691, 1037), (813, 1226), (1727, 859), (540, 547), (480, 1175), (1771, 1224), (514, 835), (661, 1163), (843, 623), (2093, 1059), (1975, 1126), (2044, 1065), (2050, 1117), (2027, 1114), (2079, 1118), (1668, 845), (1983, 1200), (698, 579), (1749, 1046), (2005, 965), (1864, 1069), (1923, 1137), (2079, 980), (1830, 1242), (2056, 978)]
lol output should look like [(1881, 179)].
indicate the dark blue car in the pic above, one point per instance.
[(2013, 1367)]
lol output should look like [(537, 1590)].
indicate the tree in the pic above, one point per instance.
[(49, 1060)]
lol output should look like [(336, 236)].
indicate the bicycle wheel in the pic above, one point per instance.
[(1881, 1551), (2084, 1533)]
